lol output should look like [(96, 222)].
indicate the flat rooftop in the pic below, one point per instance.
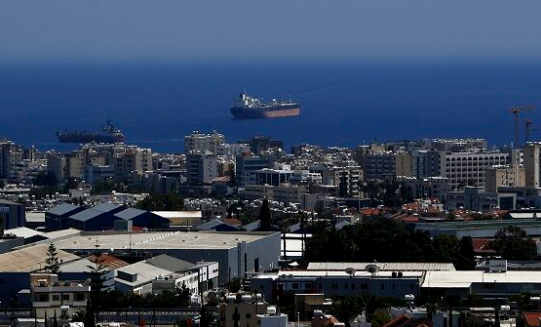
[(333, 273), (383, 266), (158, 240), (464, 279)]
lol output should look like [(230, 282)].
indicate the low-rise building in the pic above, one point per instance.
[(51, 297)]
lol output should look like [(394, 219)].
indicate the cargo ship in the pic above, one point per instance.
[(112, 135), (247, 107)]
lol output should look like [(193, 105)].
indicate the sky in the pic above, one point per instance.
[(218, 30)]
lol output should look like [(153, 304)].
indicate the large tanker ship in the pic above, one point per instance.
[(247, 107), (111, 135)]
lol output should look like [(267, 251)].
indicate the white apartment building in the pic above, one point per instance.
[(51, 296), (468, 168)]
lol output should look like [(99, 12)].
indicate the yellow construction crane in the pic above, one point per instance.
[(516, 111)]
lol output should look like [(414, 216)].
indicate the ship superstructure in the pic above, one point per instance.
[(112, 135), (247, 107)]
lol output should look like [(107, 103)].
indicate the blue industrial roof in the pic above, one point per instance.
[(106, 207), (62, 209), (86, 215), (130, 213)]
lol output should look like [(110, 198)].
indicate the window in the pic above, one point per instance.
[(79, 297), (43, 297), (295, 286), (382, 286), (364, 286), (248, 315), (56, 297), (346, 286), (65, 297), (394, 287)]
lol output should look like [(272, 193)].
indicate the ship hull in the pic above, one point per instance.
[(89, 138), (249, 113)]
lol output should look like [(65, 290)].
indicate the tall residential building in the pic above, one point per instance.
[(56, 164), (504, 176), (201, 168), (248, 165), (7, 157), (425, 163), (468, 168), (347, 180), (198, 142), (532, 153)]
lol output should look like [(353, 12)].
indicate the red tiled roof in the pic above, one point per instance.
[(232, 221), (110, 261), (531, 318)]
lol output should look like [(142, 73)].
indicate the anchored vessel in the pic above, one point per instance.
[(247, 107), (112, 135)]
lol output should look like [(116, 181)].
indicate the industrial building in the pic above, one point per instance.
[(12, 214), (238, 254)]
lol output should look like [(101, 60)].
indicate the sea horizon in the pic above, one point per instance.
[(157, 104)]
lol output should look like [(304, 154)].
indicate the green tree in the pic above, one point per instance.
[(45, 178), (380, 318), (347, 308), (466, 254), (70, 184), (512, 243), (98, 277), (235, 285), (52, 262), (161, 202), (183, 294), (265, 217)]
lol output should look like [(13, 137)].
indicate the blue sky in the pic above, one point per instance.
[(215, 30)]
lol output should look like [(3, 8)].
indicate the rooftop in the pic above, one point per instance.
[(464, 279), (30, 258), (383, 266), (159, 240)]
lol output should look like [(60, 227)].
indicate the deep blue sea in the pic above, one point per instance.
[(342, 104)]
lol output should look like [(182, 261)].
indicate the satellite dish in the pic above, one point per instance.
[(372, 268), (350, 271)]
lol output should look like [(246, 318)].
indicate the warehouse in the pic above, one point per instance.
[(238, 254), (57, 218), (99, 217), (142, 218)]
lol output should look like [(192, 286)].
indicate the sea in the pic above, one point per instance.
[(342, 104)]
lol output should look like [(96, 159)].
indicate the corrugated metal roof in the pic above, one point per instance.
[(383, 266), (62, 209), (86, 215), (23, 232), (145, 273), (30, 258), (170, 263), (106, 207), (178, 214), (130, 213)]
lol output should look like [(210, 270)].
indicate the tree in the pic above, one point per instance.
[(45, 178), (512, 243), (98, 277), (380, 318), (160, 202), (234, 285), (466, 254), (347, 308), (52, 262), (265, 217), (70, 184), (183, 294), (46, 320)]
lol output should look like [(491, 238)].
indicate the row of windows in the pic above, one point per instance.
[(56, 297)]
